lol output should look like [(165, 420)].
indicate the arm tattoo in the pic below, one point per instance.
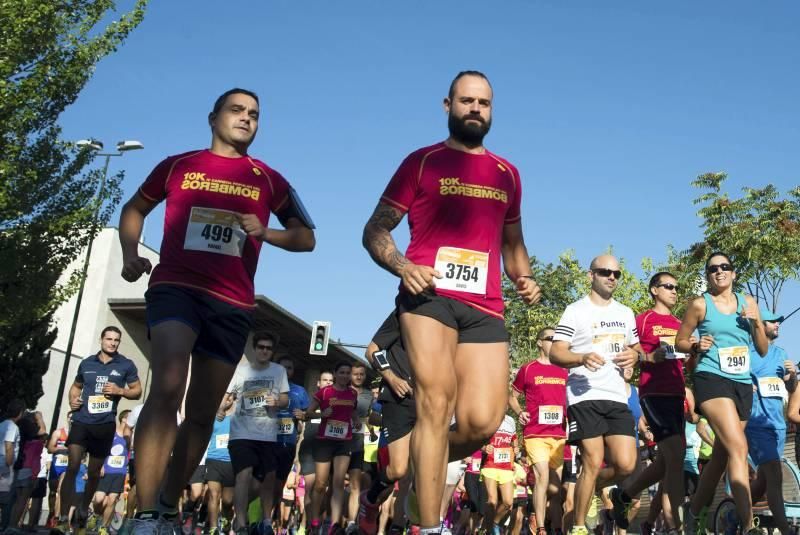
[(378, 241)]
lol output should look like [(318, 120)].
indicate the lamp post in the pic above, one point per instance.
[(90, 144)]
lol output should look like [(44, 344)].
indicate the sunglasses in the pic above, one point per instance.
[(603, 272), (546, 339), (264, 348), (717, 267), (668, 286)]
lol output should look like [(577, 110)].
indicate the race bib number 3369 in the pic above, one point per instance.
[(214, 231), (462, 270)]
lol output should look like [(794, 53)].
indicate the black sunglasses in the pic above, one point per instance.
[(603, 272), (668, 286), (546, 339), (264, 348), (717, 267)]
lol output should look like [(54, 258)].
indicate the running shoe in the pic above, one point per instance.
[(213, 531), (351, 528), (621, 507), (367, 515), (579, 530), (91, 523), (646, 528), (756, 531)]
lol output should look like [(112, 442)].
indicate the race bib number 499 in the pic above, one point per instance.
[(462, 270), (734, 360), (214, 231)]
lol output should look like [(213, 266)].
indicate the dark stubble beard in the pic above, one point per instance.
[(469, 134)]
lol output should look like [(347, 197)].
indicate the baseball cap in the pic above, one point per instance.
[(767, 315)]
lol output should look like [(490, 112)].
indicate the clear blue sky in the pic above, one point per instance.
[(609, 110)]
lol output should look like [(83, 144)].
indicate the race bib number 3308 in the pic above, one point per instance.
[(214, 231), (462, 270)]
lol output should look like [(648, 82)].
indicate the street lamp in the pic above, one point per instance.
[(94, 145)]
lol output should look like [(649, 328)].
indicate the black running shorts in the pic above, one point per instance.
[(473, 326), (598, 418), (221, 328), (96, 439), (711, 386), (664, 415), (255, 454)]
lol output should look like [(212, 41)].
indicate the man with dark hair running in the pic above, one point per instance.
[(102, 380), (662, 394), (463, 204), (219, 202)]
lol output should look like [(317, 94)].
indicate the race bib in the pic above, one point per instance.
[(285, 426), (734, 360), (62, 460), (668, 343), (358, 428), (551, 414), (336, 429), (288, 494), (771, 387), (99, 405), (608, 345), (222, 441), (368, 438), (501, 455), (462, 270), (476, 464), (254, 399), (214, 231), (116, 461)]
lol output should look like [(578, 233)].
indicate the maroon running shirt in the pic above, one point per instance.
[(203, 246), (457, 204), (661, 378), (545, 389), (339, 425)]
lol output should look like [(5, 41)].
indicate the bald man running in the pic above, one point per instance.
[(596, 339)]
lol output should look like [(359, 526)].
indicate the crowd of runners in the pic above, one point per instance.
[(451, 439)]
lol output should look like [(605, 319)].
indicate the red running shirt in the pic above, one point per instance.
[(659, 378), (545, 389), (339, 425), (474, 464), (457, 204), (203, 246), (503, 442)]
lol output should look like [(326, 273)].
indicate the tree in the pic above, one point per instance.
[(760, 231), (50, 208)]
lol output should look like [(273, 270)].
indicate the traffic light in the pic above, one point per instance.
[(320, 333)]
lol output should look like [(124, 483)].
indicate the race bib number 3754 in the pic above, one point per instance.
[(214, 231), (462, 270)]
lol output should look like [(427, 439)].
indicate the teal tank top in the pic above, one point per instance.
[(730, 356)]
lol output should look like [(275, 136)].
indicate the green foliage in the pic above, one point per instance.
[(760, 230), (49, 206)]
